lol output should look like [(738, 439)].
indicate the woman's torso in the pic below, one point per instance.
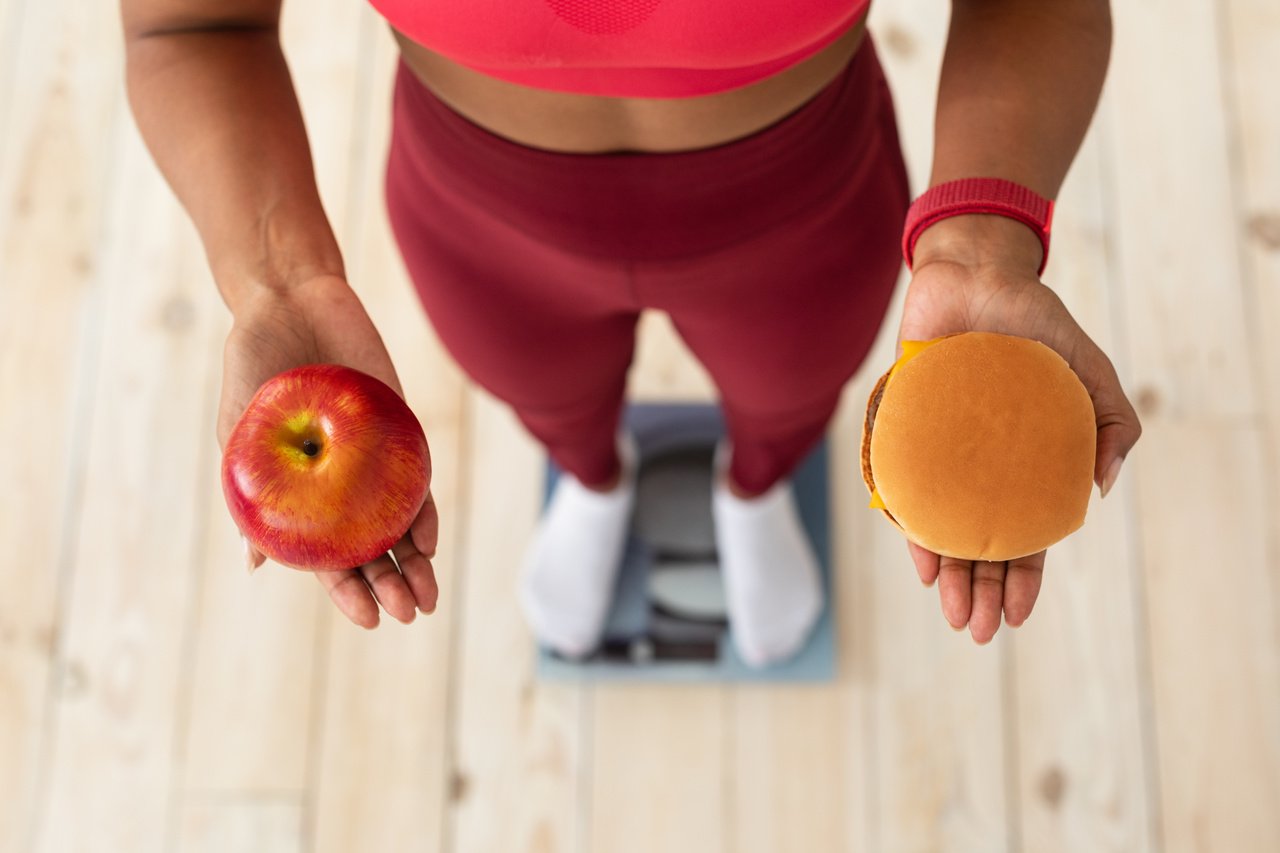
[(571, 122)]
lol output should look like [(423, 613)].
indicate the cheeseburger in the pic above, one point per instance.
[(980, 446)]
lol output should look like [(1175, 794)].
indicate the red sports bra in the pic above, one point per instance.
[(625, 48)]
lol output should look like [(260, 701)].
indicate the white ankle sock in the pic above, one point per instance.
[(568, 574), (773, 588)]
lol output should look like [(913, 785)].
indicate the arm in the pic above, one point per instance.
[(1020, 82), (213, 100)]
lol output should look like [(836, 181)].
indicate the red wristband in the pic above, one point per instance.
[(978, 195)]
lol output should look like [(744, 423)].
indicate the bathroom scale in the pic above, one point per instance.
[(668, 621)]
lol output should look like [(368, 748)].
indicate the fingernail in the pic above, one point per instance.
[(957, 628), (1109, 478), (928, 584)]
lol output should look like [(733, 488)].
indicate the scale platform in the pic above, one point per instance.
[(668, 621)]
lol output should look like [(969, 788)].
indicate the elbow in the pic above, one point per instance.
[(144, 20), (141, 33)]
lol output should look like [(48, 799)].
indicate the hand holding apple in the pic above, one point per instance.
[(326, 468), (321, 320)]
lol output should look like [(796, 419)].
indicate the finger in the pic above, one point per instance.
[(988, 599), (425, 529), (253, 558), (390, 589), (926, 563), (418, 573), (954, 580), (1021, 587), (1117, 421), (350, 594)]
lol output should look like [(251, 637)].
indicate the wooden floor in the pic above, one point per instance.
[(154, 697)]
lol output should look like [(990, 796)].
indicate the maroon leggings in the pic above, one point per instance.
[(774, 255)]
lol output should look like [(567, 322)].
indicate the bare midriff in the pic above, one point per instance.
[(591, 124)]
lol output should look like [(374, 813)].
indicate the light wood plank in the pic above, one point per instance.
[(220, 823), (658, 769), (858, 627), (1252, 32), (1212, 634), (51, 206), (518, 743), (939, 717), (1201, 497), (321, 41), (252, 664), (121, 664), (10, 34), (1177, 259), (55, 78), (56, 160), (798, 771), (382, 774), (1081, 683)]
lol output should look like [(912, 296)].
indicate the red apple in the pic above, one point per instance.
[(326, 468)]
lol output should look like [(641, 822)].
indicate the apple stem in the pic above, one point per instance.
[(309, 447)]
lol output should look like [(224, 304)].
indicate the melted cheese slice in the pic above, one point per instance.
[(910, 349)]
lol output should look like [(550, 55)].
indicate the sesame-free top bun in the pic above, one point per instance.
[(981, 446)]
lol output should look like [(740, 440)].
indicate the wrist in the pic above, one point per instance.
[(980, 241), (249, 294)]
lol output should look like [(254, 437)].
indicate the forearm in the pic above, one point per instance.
[(218, 111), (1020, 83)]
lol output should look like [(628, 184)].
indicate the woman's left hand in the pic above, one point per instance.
[(978, 273)]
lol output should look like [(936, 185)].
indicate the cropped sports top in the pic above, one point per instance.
[(625, 48)]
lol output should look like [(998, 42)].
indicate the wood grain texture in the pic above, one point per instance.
[(263, 823), (120, 663), (799, 768), (1251, 31), (1177, 262), (518, 782), (658, 770), (54, 175), (1203, 500), (1081, 684), (938, 719), (1212, 634)]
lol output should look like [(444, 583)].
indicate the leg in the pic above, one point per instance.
[(548, 332), (782, 324), (782, 320)]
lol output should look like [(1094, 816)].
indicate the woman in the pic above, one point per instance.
[(557, 166)]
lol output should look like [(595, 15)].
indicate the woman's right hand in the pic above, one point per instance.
[(322, 321)]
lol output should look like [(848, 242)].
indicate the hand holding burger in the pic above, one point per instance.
[(978, 274)]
